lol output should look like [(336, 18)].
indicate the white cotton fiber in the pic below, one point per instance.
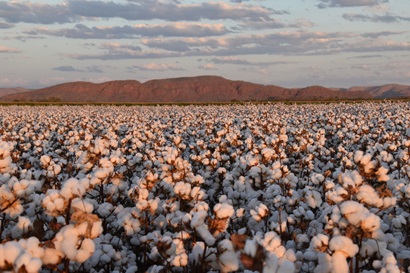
[(223, 211), (344, 245), (205, 234), (339, 263)]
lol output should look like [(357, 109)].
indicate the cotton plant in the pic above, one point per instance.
[(155, 188)]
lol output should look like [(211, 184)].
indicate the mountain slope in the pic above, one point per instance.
[(384, 91), (10, 91), (188, 89)]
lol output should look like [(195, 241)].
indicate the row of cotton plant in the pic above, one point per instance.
[(236, 188)]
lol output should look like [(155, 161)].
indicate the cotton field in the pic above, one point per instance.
[(235, 188)]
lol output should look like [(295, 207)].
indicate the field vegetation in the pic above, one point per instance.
[(205, 188)]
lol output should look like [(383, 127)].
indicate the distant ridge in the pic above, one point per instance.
[(13, 90), (196, 89)]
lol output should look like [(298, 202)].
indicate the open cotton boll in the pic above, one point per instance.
[(23, 226), (198, 218), (358, 156), (228, 261), (30, 264), (319, 242), (317, 178), (32, 246), (365, 159), (267, 153), (72, 187), (339, 263), (324, 263), (271, 241), (11, 251), (223, 211), (368, 195), (371, 223), (204, 233), (105, 209), (250, 248), (344, 245), (286, 267), (78, 204), (382, 174), (353, 211)]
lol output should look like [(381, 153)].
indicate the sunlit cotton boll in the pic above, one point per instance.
[(74, 188), (23, 226), (227, 259), (68, 240), (223, 210)]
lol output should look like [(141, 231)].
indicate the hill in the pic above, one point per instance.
[(384, 91), (10, 91), (187, 89)]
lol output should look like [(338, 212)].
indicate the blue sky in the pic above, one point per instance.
[(292, 43)]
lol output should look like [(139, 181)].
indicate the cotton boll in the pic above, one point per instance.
[(51, 256), (365, 159), (343, 245), (223, 211), (105, 209), (71, 188), (204, 233), (33, 247), (286, 267), (12, 250), (317, 178), (382, 174), (271, 241), (227, 259), (368, 248), (353, 211), (371, 223), (319, 242), (368, 195), (23, 226), (78, 204), (339, 263), (198, 218), (85, 251), (324, 263), (30, 264), (358, 156), (250, 248)]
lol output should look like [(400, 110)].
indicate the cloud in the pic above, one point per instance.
[(36, 13), (69, 68), (349, 3), (66, 68), (385, 18), (207, 67), (5, 49), (367, 56), (4, 25), (239, 61), (361, 66), (375, 35), (75, 10), (170, 11), (154, 67), (175, 29), (286, 43)]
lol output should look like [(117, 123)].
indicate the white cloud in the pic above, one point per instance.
[(384, 18), (5, 49), (155, 67), (173, 29), (207, 66), (349, 3)]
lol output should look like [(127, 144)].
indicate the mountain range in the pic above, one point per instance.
[(193, 89)]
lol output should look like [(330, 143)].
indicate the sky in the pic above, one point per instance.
[(291, 43)]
